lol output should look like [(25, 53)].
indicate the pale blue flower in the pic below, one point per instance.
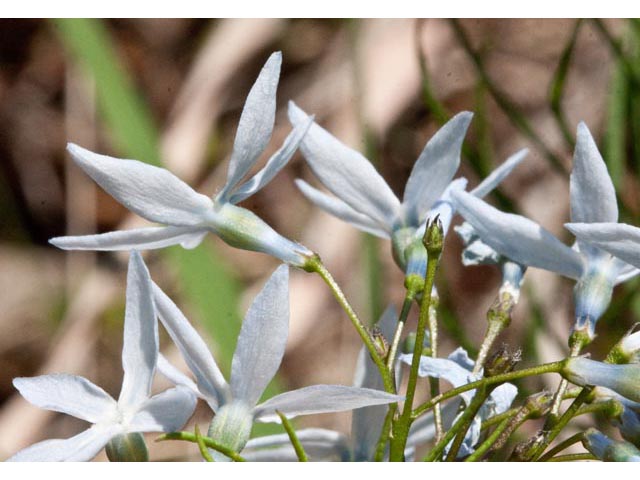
[(622, 379), (609, 450), (527, 243), (365, 200), (258, 355), (134, 411), (159, 196), (457, 370)]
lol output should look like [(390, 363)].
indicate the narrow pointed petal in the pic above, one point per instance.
[(276, 163), (336, 207), (153, 193), (256, 123), (148, 238), (518, 238), (262, 339), (496, 177), (346, 173), (593, 197), (435, 167), (619, 239), (140, 347), (625, 271), (321, 399), (194, 350), (166, 412), (79, 448), (175, 376), (70, 394)]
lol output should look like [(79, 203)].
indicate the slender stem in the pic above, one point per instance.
[(566, 443), (384, 434), (476, 404), (202, 447), (496, 419), (553, 367), (190, 437), (434, 383), (316, 265), (485, 446), (406, 307), (557, 399), (295, 441), (572, 457)]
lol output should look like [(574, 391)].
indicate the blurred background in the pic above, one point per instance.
[(170, 92)]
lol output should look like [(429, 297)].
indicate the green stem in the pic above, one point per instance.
[(576, 348), (295, 441), (566, 443), (202, 447), (384, 434), (190, 437), (316, 265), (485, 446), (476, 404), (406, 307), (572, 457), (434, 383), (554, 367)]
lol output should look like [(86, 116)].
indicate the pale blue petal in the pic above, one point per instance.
[(262, 339), (321, 399), (140, 346), (622, 379), (593, 197), (625, 271), (346, 173), (336, 207), (148, 238), (175, 376), (153, 193), (256, 123), (619, 239), (609, 450), (70, 394), (496, 177), (435, 167), (518, 238), (166, 412), (276, 163)]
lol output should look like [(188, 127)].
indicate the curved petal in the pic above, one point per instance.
[(135, 239), (262, 339), (496, 177), (153, 193), (593, 197), (176, 377), (336, 207), (346, 173), (518, 238), (193, 349), (166, 412), (70, 394), (276, 163), (321, 399), (435, 167), (619, 239), (140, 346), (79, 448), (256, 123)]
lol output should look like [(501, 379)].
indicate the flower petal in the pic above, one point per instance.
[(68, 394), (276, 163), (176, 377), (153, 193), (193, 349), (140, 347), (499, 174), (321, 399), (318, 443), (593, 197), (518, 238), (166, 412), (346, 173), (435, 167), (262, 339), (619, 239), (79, 448), (135, 239), (336, 207), (256, 123)]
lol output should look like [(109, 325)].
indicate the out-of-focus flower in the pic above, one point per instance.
[(457, 370), (622, 379), (159, 196), (527, 243), (609, 450), (364, 199), (258, 355), (134, 411)]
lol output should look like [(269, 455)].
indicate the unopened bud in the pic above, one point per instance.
[(380, 342), (433, 239), (622, 379), (626, 350), (607, 449), (502, 361), (127, 447)]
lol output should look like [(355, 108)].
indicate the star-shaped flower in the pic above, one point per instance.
[(515, 237), (134, 411), (258, 355), (159, 196), (364, 199)]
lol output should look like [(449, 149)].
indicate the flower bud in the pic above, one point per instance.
[(127, 447), (501, 361), (434, 237), (606, 449), (626, 350), (622, 379), (231, 428)]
